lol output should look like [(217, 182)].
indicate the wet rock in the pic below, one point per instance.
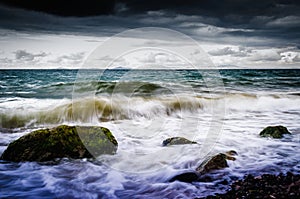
[(177, 141), (274, 132), (62, 141), (216, 162), (185, 177), (265, 186)]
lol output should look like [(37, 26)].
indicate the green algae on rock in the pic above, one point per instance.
[(274, 132), (177, 141), (61, 142)]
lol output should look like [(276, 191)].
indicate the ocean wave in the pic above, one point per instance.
[(26, 112), (96, 110), (60, 90), (105, 86)]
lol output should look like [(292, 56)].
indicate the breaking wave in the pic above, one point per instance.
[(98, 110), (104, 108)]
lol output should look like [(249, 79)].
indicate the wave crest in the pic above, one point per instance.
[(120, 107), (91, 110)]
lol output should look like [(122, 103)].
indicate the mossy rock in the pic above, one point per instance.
[(177, 141), (274, 132), (61, 142)]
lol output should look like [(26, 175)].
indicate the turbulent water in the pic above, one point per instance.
[(221, 110)]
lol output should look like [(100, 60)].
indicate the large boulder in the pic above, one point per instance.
[(274, 132), (177, 141), (62, 141)]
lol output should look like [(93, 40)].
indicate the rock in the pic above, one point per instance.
[(265, 186), (185, 177), (62, 141), (177, 141), (274, 132), (216, 162)]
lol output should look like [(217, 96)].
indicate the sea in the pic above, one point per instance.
[(221, 110)]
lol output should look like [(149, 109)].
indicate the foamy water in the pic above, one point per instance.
[(141, 120)]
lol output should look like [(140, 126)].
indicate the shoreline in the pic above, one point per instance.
[(264, 186)]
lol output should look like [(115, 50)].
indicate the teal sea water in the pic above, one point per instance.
[(220, 109)]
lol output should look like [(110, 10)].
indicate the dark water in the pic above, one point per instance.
[(60, 83)]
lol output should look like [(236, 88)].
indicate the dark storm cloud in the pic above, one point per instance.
[(227, 13), (204, 7), (66, 7), (30, 21), (278, 19), (268, 22)]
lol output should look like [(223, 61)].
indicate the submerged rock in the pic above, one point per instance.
[(216, 162), (274, 132), (62, 141), (185, 177), (177, 141)]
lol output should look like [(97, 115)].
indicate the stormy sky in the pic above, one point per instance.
[(234, 33)]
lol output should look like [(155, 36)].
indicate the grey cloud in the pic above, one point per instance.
[(285, 22), (223, 51), (5, 61), (155, 58), (290, 57), (93, 41), (27, 56), (240, 52), (74, 58), (112, 60), (297, 58), (23, 57), (265, 55)]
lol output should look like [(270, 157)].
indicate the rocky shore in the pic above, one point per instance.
[(266, 186), (79, 141)]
